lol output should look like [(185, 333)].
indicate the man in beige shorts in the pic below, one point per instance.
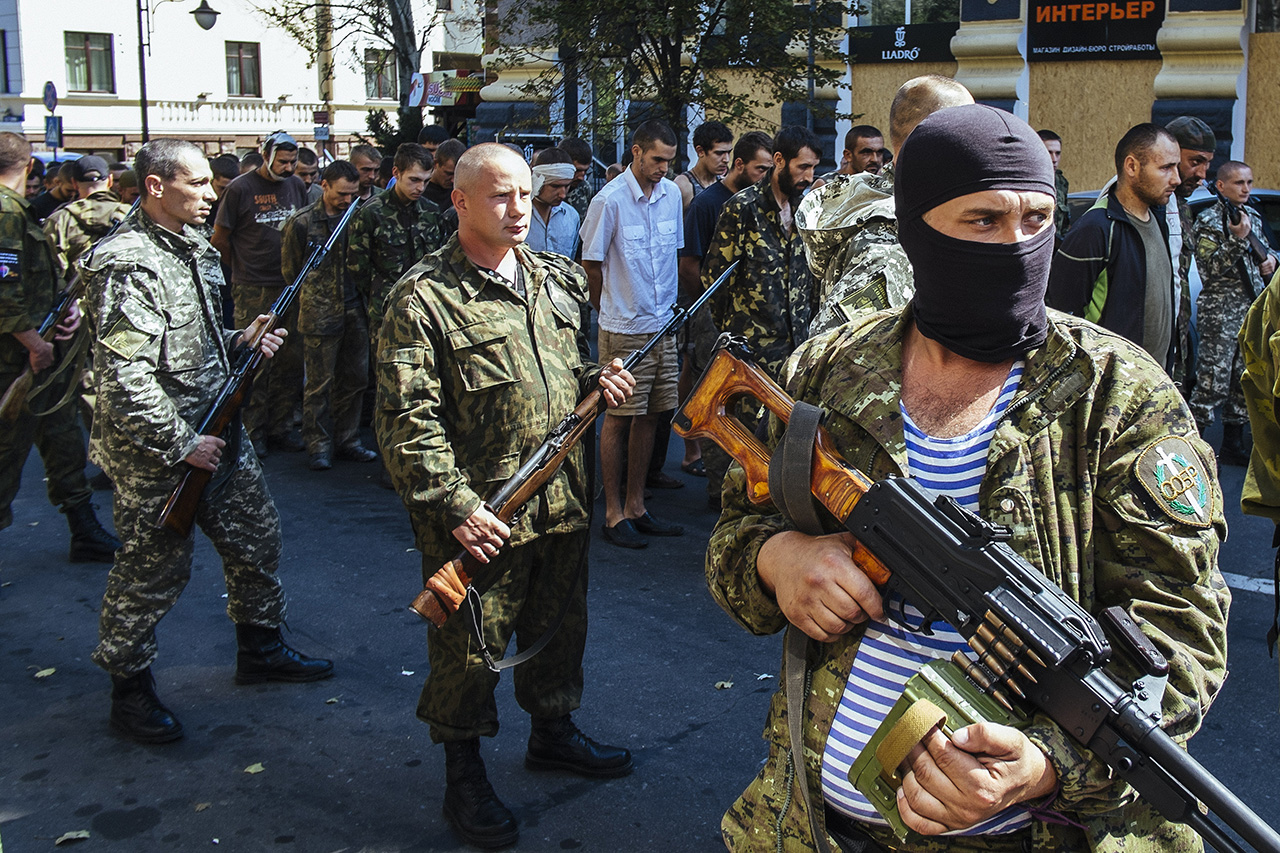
[(630, 237)]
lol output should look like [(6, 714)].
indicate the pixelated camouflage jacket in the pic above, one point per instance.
[(1061, 475), (321, 300), (28, 285), (850, 231), (1226, 268), (579, 198), (465, 393), (1260, 351), (1061, 207), (769, 300), (386, 237), (160, 352), (73, 228)]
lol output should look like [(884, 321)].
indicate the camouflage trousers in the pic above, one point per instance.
[(337, 369), (1219, 317), (60, 442), (531, 582), (153, 567), (276, 398)]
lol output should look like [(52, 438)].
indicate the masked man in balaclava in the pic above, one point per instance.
[(1041, 422), (251, 214)]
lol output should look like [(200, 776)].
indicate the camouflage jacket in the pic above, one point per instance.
[(323, 295), (850, 231), (579, 198), (1062, 474), (74, 227), (1259, 350), (28, 285), (1061, 208), (465, 393), (1226, 267), (160, 352), (387, 237), (770, 297)]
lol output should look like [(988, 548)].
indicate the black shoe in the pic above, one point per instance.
[(470, 804), (650, 526), (663, 480), (356, 453), (90, 542), (137, 713), (1235, 448), (556, 744), (263, 655), (320, 462), (290, 442), (624, 535)]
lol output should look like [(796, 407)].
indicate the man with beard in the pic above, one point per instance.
[(1036, 421), (1197, 143), (1114, 268)]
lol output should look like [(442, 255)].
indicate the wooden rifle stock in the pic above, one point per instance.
[(447, 588), (705, 414)]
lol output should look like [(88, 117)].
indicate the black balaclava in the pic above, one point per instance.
[(982, 301)]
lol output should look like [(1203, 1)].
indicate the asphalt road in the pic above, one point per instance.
[(347, 766)]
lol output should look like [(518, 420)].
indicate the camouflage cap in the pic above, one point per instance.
[(1192, 133)]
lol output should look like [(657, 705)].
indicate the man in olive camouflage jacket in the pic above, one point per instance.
[(393, 231), (77, 225), (1070, 452), (477, 361), (29, 290), (162, 356), (333, 323)]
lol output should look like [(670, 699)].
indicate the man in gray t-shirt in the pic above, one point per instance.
[(1157, 316)]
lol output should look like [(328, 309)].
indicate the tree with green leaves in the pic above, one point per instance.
[(733, 59)]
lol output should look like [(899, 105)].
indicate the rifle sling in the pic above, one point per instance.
[(789, 475), (73, 361)]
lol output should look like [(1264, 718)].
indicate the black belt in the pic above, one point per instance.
[(849, 834)]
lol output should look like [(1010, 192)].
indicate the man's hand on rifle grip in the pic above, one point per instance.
[(816, 583), (207, 453), (68, 326), (617, 383), (271, 341), (483, 534)]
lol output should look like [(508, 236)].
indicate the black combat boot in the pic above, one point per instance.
[(263, 655), (1235, 448), (90, 542), (137, 712), (470, 805), (556, 744)]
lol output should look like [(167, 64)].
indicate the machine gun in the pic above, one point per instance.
[(18, 391), (1038, 649), (179, 511)]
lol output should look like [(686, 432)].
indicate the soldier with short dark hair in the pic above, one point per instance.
[(29, 288), (331, 318), (440, 186), (580, 192), (161, 357), (449, 431)]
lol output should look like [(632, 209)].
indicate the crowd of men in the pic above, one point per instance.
[(907, 293)]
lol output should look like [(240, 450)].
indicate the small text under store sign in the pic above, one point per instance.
[(1063, 30)]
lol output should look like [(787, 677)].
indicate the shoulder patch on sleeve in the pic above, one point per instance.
[(10, 266), (125, 339), (1172, 473)]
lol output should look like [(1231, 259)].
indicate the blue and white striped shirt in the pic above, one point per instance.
[(889, 654)]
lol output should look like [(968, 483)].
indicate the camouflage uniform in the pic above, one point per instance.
[(1061, 474), (388, 236), (74, 227), (579, 198), (1261, 385), (769, 298), (1231, 282), (464, 394), (335, 333), (28, 290), (162, 355), (1062, 208), (850, 231), (1183, 365)]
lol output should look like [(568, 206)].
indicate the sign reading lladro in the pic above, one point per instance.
[(1062, 30), (909, 43)]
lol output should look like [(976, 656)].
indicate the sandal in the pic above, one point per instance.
[(694, 468)]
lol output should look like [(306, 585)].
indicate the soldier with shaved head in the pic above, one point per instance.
[(477, 360)]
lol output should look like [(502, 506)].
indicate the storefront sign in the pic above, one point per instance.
[(1066, 30), (908, 43)]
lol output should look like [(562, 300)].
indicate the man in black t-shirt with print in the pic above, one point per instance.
[(251, 214)]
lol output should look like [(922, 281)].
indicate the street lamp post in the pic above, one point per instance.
[(205, 15)]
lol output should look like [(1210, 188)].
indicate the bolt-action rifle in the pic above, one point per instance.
[(18, 391), (179, 511), (1258, 249), (1038, 649), (451, 585)]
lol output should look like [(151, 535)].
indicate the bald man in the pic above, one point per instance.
[(478, 359)]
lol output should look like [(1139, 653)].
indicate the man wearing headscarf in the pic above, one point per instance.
[(553, 227), (1034, 420)]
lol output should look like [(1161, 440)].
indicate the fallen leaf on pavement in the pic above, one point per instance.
[(255, 768), (723, 685), (68, 837), (202, 806), (45, 673)]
